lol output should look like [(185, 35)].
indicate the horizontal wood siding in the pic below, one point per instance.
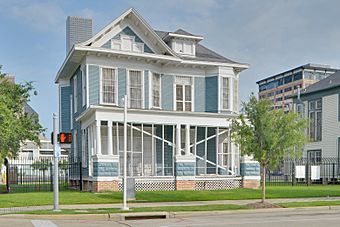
[(200, 92), (94, 84), (167, 82), (211, 95)]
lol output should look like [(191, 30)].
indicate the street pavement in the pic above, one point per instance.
[(311, 217)]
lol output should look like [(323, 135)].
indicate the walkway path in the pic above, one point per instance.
[(158, 204)]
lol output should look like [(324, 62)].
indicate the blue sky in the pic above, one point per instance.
[(272, 36)]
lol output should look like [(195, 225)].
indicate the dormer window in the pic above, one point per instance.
[(184, 47), (127, 43)]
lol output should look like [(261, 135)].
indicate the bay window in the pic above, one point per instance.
[(225, 93), (183, 93)]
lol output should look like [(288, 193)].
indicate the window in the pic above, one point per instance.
[(75, 95), (288, 89), (83, 85), (183, 93), (314, 156), (280, 82), (84, 148), (315, 120), (235, 95), (184, 47), (156, 87), (297, 76), (108, 89), (135, 89), (288, 79), (127, 43), (225, 93)]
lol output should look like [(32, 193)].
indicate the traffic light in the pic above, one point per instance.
[(63, 137)]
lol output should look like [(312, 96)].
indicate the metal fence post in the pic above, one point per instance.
[(80, 177), (8, 188), (51, 176), (293, 174), (333, 170)]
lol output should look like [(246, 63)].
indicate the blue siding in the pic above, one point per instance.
[(93, 84), (121, 84), (199, 94), (65, 108), (146, 89), (200, 164), (167, 82), (107, 44), (211, 95)]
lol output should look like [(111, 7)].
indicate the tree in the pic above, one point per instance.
[(16, 126), (268, 135)]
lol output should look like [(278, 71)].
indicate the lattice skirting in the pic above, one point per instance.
[(217, 184), (170, 185), (152, 185)]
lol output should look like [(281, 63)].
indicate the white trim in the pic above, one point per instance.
[(185, 36), (75, 93), (87, 86), (221, 93), (71, 111)]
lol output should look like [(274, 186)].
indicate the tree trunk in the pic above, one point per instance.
[(263, 184)]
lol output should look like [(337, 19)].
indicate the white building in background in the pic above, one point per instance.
[(77, 30)]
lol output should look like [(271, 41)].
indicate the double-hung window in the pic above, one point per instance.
[(315, 120), (135, 89), (108, 89), (225, 93), (156, 88), (183, 93)]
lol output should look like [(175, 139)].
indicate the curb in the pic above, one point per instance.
[(165, 215)]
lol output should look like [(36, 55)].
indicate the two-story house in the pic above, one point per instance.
[(320, 104), (181, 98)]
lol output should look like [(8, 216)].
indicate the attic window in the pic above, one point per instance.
[(127, 43)]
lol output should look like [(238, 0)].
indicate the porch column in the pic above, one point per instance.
[(187, 140), (98, 138), (109, 138), (178, 140)]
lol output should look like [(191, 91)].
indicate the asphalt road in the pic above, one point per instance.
[(290, 217)]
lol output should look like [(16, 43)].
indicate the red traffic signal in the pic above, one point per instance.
[(65, 137)]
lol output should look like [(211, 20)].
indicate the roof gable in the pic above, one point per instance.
[(133, 24), (324, 84)]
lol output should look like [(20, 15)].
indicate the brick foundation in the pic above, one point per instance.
[(98, 186), (185, 185), (253, 184)]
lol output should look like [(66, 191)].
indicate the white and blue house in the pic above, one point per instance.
[(181, 98)]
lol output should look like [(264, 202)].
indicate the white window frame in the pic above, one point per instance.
[(183, 87), (101, 85), (83, 148), (128, 86), (75, 94), (152, 91), (230, 90)]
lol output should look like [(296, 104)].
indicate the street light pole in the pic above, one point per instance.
[(56, 155), (125, 156)]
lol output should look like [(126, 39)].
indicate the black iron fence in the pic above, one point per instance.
[(305, 172), (32, 175)]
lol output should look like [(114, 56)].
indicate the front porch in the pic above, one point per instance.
[(177, 155)]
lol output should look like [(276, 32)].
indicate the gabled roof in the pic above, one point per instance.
[(331, 81), (128, 13)]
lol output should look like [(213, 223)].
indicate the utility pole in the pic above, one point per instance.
[(125, 155), (56, 155)]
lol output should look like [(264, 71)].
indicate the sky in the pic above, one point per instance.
[(271, 36)]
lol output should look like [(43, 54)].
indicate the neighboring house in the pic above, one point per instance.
[(181, 99), (320, 103), (280, 87)]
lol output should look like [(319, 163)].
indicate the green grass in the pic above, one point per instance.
[(75, 197), (309, 204), (144, 209)]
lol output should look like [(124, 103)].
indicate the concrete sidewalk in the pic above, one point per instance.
[(159, 204)]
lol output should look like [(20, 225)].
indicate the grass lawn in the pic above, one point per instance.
[(75, 197)]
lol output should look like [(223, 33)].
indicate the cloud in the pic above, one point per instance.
[(41, 16)]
